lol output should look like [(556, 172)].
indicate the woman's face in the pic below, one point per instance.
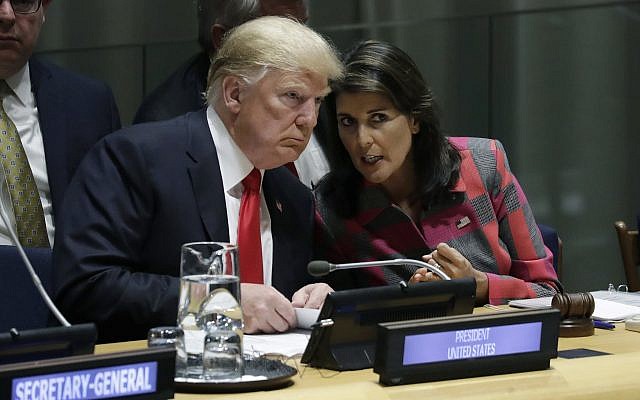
[(377, 136)]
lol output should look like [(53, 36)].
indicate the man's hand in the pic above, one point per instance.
[(265, 309), (311, 296)]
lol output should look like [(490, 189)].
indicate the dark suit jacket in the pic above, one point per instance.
[(74, 113), (137, 197), (179, 94)]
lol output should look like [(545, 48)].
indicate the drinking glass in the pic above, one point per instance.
[(209, 308), (170, 336), (222, 356)]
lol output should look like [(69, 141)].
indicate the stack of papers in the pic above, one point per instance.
[(288, 344), (628, 298), (609, 305)]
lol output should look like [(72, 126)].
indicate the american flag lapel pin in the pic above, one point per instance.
[(463, 222), (279, 206)]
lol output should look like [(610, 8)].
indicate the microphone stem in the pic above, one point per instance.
[(397, 261)]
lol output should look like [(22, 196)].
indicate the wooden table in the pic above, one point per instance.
[(615, 376)]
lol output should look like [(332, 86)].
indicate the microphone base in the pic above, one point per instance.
[(44, 343), (349, 343)]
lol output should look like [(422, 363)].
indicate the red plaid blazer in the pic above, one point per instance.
[(490, 223)]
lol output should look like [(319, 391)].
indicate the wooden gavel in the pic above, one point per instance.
[(576, 310)]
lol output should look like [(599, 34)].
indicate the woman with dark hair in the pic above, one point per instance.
[(400, 189)]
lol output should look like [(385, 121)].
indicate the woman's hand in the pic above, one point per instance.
[(454, 264)]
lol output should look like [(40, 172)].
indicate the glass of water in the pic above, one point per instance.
[(222, 356), (209, 310), (170, 336)]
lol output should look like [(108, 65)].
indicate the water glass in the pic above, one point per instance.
[(170, 336), (209, 306), (222, 357)]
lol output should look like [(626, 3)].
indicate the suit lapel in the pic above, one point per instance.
[(204, 171), (53, 125), (291, 231), (278, 213)]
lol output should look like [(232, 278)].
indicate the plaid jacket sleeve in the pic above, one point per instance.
[(530, 272)]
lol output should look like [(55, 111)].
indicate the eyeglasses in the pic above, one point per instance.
[(25, 6)]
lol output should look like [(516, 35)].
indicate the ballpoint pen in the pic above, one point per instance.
[(603, 324), (322, 323)]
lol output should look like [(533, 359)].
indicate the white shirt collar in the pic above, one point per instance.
[(20, 83), (234, 164)]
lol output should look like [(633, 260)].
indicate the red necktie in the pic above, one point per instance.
[(249, 243)]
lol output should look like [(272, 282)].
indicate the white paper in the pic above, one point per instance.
[(306, 317), (628, 298), (287, 344), (605, 310), (538, 302)]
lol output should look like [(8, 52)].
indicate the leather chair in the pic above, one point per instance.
[(21, 306), (554, 243), (628, 241)]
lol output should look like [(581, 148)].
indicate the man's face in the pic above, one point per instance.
[(293, 8), (276, 115), (18, 36)]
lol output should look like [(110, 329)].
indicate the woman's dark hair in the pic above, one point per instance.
[(382, 68)]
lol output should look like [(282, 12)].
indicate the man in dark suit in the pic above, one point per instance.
[(183, 90), (58, 115), (143, 192)]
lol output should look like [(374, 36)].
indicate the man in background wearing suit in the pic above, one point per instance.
[(49, 118), (183, 90), (144, 191)]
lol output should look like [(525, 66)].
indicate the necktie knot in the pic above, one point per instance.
[(252, 181)]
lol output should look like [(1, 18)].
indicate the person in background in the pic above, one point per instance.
[(49, 119), (144, 191), (183, 90), (401, 189)]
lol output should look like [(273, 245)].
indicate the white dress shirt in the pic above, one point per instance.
[(21, 108), (234, 167), (312, 163)]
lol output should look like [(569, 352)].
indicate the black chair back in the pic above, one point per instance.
[(21, 306), (554, 243)]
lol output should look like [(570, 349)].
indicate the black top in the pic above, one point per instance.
[(180, 93)]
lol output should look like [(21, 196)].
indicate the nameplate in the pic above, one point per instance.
[(145, 374), (466, 346)]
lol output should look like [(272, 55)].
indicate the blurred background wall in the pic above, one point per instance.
[(557, 81)]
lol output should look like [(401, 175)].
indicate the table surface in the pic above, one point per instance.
[(613, 376)]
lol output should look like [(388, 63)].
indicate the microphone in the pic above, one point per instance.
[(319, 268), (34, 277)]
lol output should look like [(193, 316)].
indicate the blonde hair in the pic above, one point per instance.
[(280, 43)]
